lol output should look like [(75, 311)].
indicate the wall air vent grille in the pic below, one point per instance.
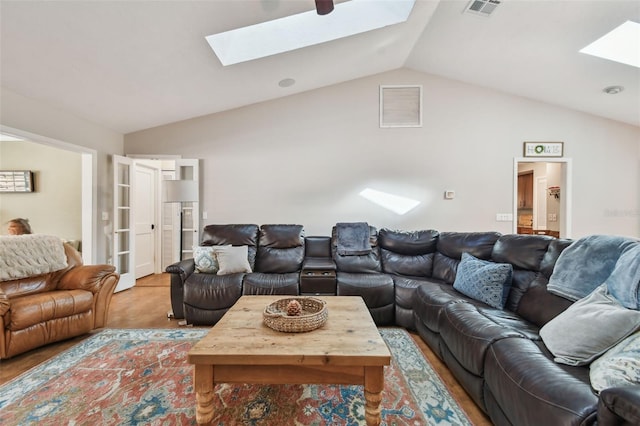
[(401, 106), (482, 7)]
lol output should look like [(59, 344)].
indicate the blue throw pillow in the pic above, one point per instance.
[(485, 281)]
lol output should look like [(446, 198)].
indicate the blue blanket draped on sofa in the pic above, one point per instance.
[(352, 238), (624, 281), (590, 262)]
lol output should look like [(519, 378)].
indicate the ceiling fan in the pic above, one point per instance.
[(324, 7)]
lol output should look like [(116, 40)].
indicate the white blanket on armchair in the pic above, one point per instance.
[(23, 256)]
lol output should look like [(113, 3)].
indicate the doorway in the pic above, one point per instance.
[(542, 196), (153, 223), (88, 191)]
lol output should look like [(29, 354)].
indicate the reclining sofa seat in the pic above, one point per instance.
[(437, 290), (361, 275), (278, 261), (407, 256), (512, 394), (275, 255)]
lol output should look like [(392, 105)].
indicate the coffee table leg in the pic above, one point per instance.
[(373, 386), (203, 386)]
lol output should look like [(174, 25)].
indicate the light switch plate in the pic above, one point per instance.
[(504, 217), (449, 195)]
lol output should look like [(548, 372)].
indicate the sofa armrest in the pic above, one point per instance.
[(85, 277), (101, 280), (183, 269), (619, 406), (179, 271)]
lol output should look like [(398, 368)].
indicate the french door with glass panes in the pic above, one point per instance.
[(123, 236), (123, 232), (188, 169)]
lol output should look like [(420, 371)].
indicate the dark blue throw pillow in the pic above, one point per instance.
[(485, 281)]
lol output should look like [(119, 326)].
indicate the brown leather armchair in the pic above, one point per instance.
[(47, 308)]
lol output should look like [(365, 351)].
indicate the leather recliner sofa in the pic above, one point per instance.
[(496, 354), (55, 306), (275, 255)]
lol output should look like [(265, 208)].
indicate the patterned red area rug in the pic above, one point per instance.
[(141, 377)]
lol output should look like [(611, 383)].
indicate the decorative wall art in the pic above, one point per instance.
[(16, 181), (544, 149)]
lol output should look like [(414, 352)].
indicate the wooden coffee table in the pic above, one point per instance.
[(348, 349)]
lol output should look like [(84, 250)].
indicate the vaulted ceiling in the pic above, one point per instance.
[(131, 65)]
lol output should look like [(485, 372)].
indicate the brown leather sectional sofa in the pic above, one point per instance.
[(406, 279), (51, 307)]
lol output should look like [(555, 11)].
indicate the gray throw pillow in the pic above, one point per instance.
[(588, 328), (482, 280), (232, 259)]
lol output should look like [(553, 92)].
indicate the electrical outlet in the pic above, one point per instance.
[(205, 215), (105, 215)]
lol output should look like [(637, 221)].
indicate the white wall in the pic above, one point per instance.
[(55, 206), (304, 158), (38, 118)]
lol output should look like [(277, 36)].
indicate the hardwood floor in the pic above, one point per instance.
[(146, 306)]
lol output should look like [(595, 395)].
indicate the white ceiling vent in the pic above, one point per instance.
[(482, 7)]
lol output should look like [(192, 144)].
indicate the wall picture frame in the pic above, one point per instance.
[(16, 181)]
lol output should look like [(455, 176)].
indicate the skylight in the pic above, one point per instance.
[(620, 45), (395, 203), (307, 29)]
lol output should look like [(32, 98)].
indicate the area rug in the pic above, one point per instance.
[(141, 377)]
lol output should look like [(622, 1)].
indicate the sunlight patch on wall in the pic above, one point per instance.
[(396, 203)]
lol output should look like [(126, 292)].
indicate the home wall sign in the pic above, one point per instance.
[(16, 181), (543, 149)]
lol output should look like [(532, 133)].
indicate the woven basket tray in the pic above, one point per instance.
[(314, 315)]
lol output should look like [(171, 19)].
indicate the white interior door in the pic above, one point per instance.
[(144, 212), (123, 225)]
